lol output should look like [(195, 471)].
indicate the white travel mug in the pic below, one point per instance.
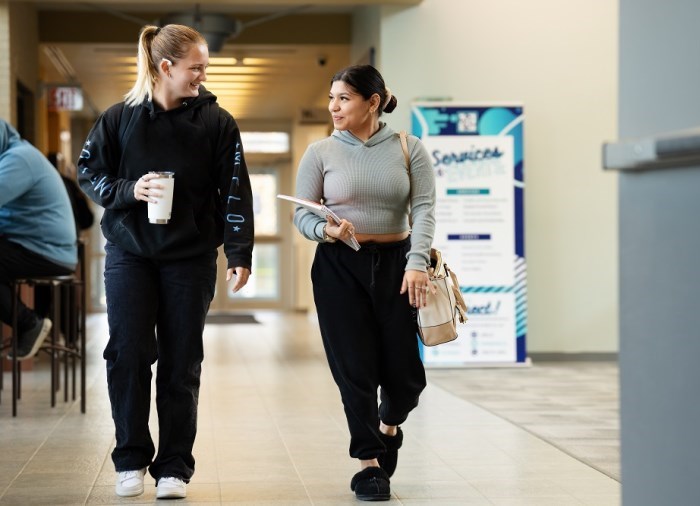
[(159, 213)]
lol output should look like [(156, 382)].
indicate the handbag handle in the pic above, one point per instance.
[(460, 305)]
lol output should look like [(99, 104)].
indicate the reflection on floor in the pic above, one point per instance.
[(272, 432)]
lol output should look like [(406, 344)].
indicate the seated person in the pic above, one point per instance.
[(37, 231), (84, 219), (79, 202)]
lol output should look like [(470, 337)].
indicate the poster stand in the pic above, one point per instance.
[(477, 156)]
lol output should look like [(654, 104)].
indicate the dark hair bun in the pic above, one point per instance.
[(393, 102)]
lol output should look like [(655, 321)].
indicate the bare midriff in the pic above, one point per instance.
[(381, 238)]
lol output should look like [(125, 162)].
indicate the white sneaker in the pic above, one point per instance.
[(130, 483), (171, 488)]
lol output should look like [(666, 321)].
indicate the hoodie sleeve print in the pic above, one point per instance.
[(98, 164), (422, 208), (236, 195), (309, 186)]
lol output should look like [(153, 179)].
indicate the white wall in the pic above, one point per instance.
[(6, 96), (560, 60), (19, 31), (366, 29)]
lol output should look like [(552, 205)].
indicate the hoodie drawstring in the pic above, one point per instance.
[(376, 261)]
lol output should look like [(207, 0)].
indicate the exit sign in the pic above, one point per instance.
[(65, 98)]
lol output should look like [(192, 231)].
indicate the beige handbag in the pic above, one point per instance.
[(437, 321)]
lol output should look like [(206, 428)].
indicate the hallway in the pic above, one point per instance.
[(272, 432)]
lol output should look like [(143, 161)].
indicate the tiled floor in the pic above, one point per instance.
[(272, 432), (572, 405)]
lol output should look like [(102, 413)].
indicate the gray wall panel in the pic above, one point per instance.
[(659, 250)]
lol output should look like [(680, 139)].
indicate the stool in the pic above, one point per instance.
[(72, 287), (74, 346)]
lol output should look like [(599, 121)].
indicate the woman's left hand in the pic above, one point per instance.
[(242, 274), (417, 284)]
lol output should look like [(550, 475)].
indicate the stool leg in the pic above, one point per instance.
[(2, 362), (56, 313), (15, 335), (75, 330), (66, 291), (81, 322), (72, 337), (83, 349)]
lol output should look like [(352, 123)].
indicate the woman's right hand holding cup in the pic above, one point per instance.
[(146, 190)]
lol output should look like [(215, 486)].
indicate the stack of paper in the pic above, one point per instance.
[(322, 211)]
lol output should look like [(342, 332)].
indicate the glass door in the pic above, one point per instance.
[(266, 286)]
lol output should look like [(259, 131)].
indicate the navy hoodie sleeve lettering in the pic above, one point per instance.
[(201, 144)]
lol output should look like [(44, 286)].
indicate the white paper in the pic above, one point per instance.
[(322, 211)]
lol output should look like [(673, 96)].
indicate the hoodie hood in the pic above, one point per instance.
[(8, 136), (205, 96), (385, 132)]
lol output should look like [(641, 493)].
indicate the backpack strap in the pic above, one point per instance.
[(124, 120)]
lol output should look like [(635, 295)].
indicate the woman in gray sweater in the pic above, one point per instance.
[(366, 299)]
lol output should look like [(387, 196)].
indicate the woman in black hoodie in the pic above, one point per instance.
[(160, 278)]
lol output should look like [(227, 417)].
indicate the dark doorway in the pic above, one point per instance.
[(25, 112)]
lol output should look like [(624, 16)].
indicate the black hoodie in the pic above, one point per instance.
[(201, 144)]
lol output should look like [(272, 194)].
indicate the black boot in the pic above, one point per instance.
[(390, 458), (371, 484)]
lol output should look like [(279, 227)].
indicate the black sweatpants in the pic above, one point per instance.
[(369, 334), (156, 311)]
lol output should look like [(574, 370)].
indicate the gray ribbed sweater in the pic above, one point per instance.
[(366, 183)]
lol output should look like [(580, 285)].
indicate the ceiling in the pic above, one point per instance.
[(251, 81), (278, 64)]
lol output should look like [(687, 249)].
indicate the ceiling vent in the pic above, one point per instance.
[(216, 28), (314, 116)]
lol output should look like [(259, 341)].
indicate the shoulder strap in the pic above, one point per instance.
[(404, 147)]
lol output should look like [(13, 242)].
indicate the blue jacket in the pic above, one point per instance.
[(35, 211)]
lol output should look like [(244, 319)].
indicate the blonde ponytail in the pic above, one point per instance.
[(147, 73)]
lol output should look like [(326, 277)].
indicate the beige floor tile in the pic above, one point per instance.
[(434, 490), (612, 500), (559, 500), (464, 501), (43, 496), (259, 492), (521, 487)]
